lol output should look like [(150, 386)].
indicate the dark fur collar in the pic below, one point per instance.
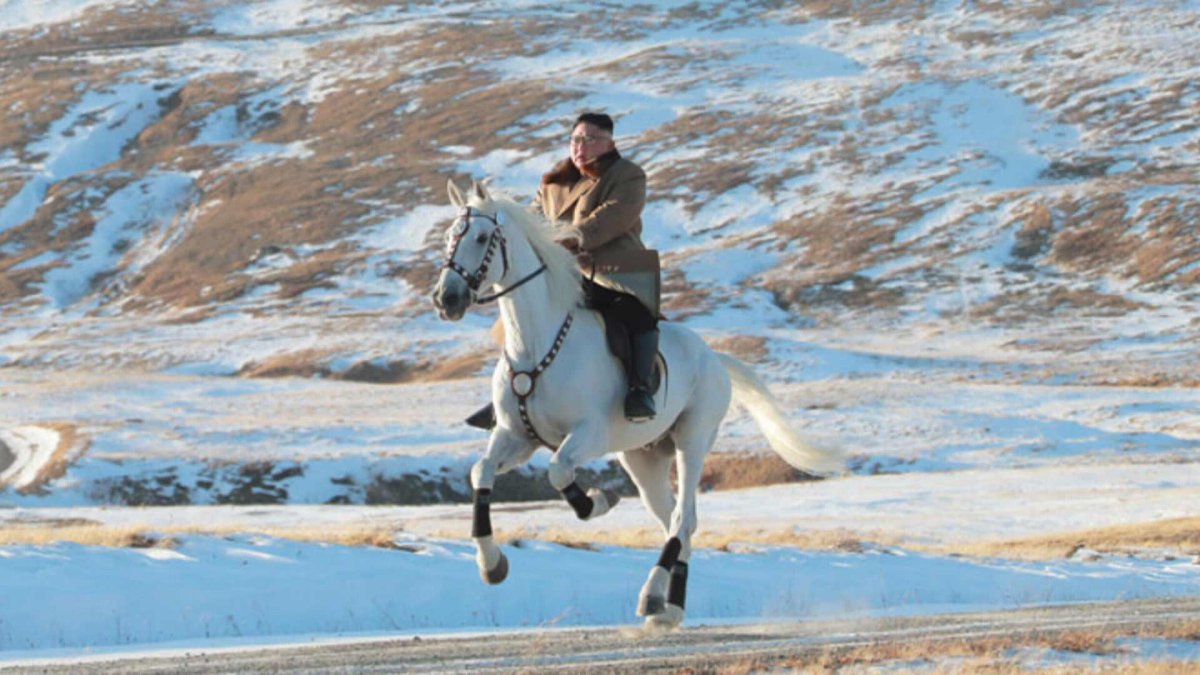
[(565, 173)]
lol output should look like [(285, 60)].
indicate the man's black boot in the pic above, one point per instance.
[(639, 402), (484, 418)]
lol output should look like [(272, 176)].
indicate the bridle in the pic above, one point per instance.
[(522, 382), (462, 225)]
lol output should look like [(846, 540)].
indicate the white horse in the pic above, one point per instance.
[(558, 385)]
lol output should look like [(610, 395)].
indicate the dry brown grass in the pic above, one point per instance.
[(652, 538), (1083, 642), (1180, 536), (734, 470), (371, 146), (679, 298), (94, 534), (749, 348), (315, 363), (1153, 380), (281, 203), (303, 363), (41, 533), (1016, 307), (990, 654), (453, 368), (1170, 243), (1036, 228), (863, 12)]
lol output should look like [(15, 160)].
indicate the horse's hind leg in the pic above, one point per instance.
[(650, 469), (505, 451), (693, 442)]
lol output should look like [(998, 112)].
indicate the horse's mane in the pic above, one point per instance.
[(562, 270)]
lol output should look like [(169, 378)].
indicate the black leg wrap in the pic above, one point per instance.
[(670, 553), (481, 524), (677, 589), (578, 500)]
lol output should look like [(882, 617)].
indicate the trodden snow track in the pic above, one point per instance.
[(627, 649)]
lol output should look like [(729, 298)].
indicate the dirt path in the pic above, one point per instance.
[(628, 649)]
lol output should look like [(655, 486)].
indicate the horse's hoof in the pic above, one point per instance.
[(496, 574), (603, 501), (611, 497), (649, 605), (667, 620)]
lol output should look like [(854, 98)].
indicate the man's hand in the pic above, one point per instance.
[(571, 244), (584, 258)]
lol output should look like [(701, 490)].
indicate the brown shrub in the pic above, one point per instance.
[(733, 470), (749, 348), (1181, 535), (315, 363)]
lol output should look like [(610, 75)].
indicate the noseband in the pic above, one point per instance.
[(462, 225)]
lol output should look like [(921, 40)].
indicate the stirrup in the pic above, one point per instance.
[(484, 418), (639, 406)]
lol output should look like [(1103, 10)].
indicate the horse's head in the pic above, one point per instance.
[(473, 243)]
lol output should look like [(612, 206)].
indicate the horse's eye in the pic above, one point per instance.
[(482, 238)]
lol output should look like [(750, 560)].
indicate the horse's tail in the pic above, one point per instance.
[(753, 394)]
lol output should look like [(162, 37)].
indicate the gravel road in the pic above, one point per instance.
[(628, 649)]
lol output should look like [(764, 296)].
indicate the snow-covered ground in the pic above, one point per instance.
[(209, 589)]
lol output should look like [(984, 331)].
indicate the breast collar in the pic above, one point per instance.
[(523, 382)]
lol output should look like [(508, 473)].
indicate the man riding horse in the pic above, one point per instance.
[(595, 197)]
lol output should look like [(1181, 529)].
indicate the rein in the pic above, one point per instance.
[(483, 299)]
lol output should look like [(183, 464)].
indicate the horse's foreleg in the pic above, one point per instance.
[(582, 444), (504, 452), (672, 568)]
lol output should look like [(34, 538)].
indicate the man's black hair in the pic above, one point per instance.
[(598, 120)]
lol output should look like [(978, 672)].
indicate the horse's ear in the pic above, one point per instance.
[(456, 195), (480, 191)]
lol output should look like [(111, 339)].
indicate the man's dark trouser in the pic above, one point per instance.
[(643, 344)]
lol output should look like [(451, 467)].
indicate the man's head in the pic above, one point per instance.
[(591, 137)]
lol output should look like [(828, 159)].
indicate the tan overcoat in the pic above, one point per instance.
[(605, 212)]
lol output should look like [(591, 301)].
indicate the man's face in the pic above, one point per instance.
[(587, 143)]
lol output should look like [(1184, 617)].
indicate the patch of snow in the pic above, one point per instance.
[(275, 16), (29, 450), (728, 266), (92, 133), (218, 588), (22, 14), (132, 214), (406, 233)]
